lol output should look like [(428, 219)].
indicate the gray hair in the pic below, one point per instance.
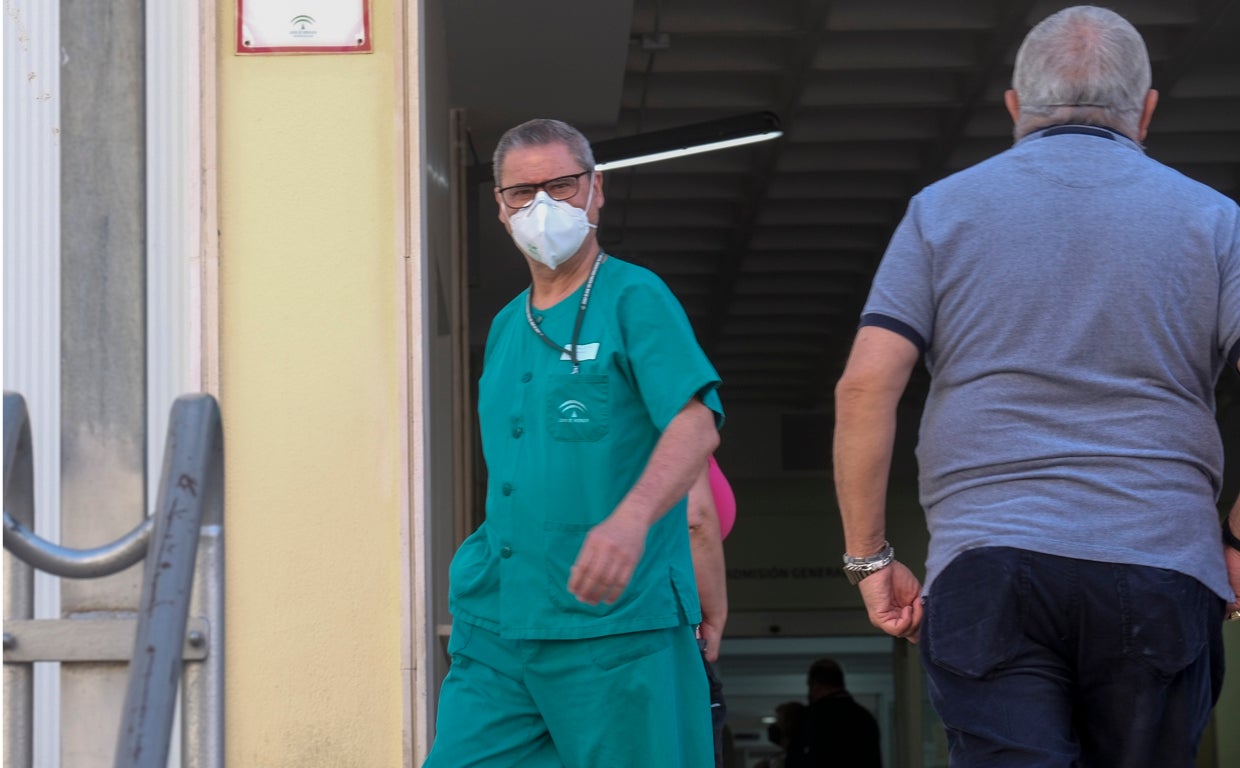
[(1083, 65), (541, 132)]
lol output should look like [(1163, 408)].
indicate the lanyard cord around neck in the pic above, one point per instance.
[(581, 316)]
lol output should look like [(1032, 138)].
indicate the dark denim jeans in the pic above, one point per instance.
[(1038, 660)]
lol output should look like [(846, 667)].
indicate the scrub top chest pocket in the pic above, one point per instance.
[(578, 407)]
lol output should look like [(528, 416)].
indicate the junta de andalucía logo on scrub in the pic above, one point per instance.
[(574, 412)]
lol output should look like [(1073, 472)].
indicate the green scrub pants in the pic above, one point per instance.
[(620, 701)]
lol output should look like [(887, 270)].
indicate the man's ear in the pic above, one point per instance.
[(500, 208), (1147, 112), (597, 181), (1012, 102)]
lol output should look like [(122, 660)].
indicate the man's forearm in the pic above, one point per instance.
[(864, 435), (862, 463), (682, 450), (866, 399), (614, 547), (707, 550), (709, 570)]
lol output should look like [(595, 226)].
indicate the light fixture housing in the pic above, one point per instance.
[(686, 140)]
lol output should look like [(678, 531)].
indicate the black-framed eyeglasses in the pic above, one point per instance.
[(559, 188)]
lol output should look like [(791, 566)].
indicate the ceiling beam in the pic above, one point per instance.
[(1008, 31), (766, 158)]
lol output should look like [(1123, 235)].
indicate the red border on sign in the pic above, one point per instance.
[(365, 47)]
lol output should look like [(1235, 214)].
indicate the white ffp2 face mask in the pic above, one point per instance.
[(550, 231)]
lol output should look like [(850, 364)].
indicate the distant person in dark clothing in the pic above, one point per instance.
[(835, 730), (789, 717)]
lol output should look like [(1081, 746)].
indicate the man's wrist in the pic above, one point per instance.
[(634, 511), (1229, 538), (858, 568)]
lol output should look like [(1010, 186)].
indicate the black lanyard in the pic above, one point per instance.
[(581, 316)]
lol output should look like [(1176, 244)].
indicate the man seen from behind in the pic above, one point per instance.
[(1075, 303)]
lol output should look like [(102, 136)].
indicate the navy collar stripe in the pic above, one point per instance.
[(1059, 130)]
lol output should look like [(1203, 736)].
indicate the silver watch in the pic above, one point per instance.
[(857, 568)]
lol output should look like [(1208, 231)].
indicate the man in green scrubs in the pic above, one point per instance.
[(574, 603)]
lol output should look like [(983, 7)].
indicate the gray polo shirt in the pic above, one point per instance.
[(1076, 302)]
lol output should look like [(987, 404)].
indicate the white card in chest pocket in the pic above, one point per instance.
[(584, 352)]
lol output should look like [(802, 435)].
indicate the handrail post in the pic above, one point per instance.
[(190, 490), (202, 707), (18, 582)]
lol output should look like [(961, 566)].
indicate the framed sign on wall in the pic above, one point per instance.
[(303, 26)]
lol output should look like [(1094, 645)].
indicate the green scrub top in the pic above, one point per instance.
[(563, 449)]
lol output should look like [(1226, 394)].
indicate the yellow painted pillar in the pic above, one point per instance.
[(312, 375)]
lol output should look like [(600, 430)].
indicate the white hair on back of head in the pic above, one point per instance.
[(1083, 64)]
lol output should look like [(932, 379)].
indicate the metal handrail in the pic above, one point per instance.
[(77, 563), (191, 497), (18, 582), (184, 535)]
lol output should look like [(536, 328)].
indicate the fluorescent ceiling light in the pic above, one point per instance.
[(686, 140), (673, 142), (669, 154)]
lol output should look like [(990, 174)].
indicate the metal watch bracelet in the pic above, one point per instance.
[(858, 568)]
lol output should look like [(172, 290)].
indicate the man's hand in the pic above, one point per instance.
[(712, 634), (893, 599), (607, 559)]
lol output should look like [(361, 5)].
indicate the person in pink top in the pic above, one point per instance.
[(725, 501)]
